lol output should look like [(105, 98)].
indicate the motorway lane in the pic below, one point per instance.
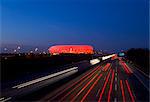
[(111, 81)]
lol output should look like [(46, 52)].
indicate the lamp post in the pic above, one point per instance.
[(36, 49), (18, 47), (5, 50)]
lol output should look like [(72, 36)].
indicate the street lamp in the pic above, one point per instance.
[(15, 51), (36, 49), (18, 47), (44, 52), (5, 49)]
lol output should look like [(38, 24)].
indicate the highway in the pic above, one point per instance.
[(112, 81)]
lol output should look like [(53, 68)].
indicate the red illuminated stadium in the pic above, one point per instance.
[(71, 49)]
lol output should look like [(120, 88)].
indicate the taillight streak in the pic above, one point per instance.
[(122, 90), (111, 84), (103, 89), (72, 100), (91, 88), (129, 69), (106, 67), (131, 95), (75, 83), (126, 70), (79, 84)]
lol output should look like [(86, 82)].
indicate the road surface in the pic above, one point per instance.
[(113, 81)]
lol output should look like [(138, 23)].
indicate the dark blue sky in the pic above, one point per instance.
[(105, 24)]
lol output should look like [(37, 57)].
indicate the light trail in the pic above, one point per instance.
[(72, 100), (125, 69), (106, 67), (79, 85), (99, 100), (122, 90), (75, 83), (131, 95), (2, 98), (91, 88), (5, 99), (107, 57), (44, 78), (94, 61), (129, 69), (110, 90)]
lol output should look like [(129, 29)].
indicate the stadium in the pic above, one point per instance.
[(71, 49)]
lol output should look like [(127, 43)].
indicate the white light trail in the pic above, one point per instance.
[(107, 57), (44, 78), (4, 100), (94, 61)]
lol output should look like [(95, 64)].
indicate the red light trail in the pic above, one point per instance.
[(126, 70), (83, 88), (110, 90), (106, 67), (122, 90), (107, 83), (99, 100), (79, 84), (131, 95), (129, 69), (91, 88), (98, 67)]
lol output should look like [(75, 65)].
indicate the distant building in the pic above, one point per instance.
[(71, 49)]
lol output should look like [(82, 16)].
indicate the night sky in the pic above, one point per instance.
[(105, 24)]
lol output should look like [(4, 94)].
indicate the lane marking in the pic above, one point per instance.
[(99, 100), (83, 88), (91, 88), (116, 69), (87, 74), (115, 99), (115, 87), (129, 90), (115, 79), (111, 84), (122, 90), (79, 84)]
